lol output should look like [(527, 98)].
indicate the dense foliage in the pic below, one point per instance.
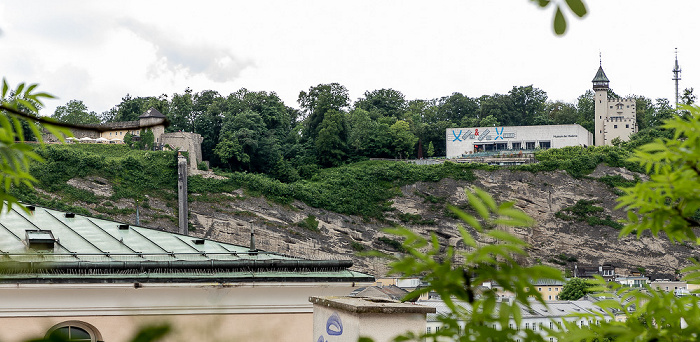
[(132, 173), (257, 132), (363, 188)]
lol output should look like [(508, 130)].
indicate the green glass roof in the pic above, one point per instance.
[(85, 249)]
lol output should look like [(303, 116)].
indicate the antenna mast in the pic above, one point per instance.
[(677, 76)]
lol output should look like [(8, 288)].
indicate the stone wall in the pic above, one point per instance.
[(184, 141)]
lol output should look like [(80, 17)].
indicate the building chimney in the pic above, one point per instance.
[(183, 211), (252, 250)]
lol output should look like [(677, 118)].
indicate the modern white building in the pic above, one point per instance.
[(464, 141)]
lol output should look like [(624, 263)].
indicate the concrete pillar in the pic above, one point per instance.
[(182, 209), (345, 319)]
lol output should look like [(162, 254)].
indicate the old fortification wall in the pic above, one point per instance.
[(184, 141)]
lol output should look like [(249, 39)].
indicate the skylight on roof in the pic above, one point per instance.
[(40, 239)]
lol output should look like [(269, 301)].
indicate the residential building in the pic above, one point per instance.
[(535, 319), (549, 289), (607, 271), (632, 281), (669, 285)]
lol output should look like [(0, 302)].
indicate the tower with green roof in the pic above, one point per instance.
[(614, 117)]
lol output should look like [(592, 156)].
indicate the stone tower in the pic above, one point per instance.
[(614, 117), (600, 87)]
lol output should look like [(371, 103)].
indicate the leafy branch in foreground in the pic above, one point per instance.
[(484, 316), (15, 154), (576, 6), (670, 200)]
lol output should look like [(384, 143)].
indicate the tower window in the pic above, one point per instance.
[(627, 126), (615, 126)]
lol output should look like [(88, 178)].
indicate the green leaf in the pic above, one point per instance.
[(5, 87), (559, 22), (478, 205), (578, 7)]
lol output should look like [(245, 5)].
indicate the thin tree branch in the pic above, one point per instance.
[(45, 121)]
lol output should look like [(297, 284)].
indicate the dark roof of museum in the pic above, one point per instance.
[(49, 246)]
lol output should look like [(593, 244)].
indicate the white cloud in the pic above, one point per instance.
[(216, 63)]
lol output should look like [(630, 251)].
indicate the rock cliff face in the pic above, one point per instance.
[(290, 229)]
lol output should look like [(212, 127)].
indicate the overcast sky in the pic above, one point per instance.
[(98, 51)]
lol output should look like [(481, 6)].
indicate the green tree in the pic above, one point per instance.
[(644, 108), (180, 112), (489, 121), (574, 289), (457, 107), (245, 145), (385, 102), (527, 103), (561, 113), (146, 140), (688, 98), (360, 130), (319, 100), (431, 150), (585, 110), (403, 140), (659, 112), (75, 112), (331, 140), (129, 139)]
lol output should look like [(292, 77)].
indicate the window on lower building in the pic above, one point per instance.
[(427, 330), (545, 144), (74, 331), (615, 126), (627, 126)]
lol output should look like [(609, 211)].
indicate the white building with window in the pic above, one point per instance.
[(614, 117), (464, 141)]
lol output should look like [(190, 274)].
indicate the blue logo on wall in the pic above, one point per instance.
[(499, 134), (457, 135)]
